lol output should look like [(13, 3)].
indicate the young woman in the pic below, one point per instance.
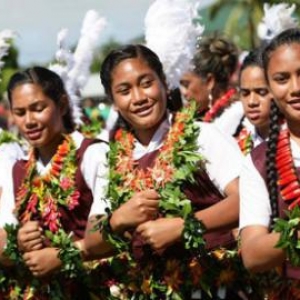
[(208, 83), (53, 191), (269, 183), (256, 99), (168, 184)]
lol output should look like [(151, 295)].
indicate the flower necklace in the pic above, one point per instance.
[(245, 141), (219, 105), (41, 196), (176, 162)]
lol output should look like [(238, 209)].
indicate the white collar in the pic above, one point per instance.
[(156, 141)]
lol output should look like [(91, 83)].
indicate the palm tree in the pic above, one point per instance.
[(243, 17)]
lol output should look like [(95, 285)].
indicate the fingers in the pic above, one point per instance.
[(150, 194), (30, 237)]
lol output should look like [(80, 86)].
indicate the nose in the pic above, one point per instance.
[(252, 100), (138, 96), (295, 85), (29, 119)]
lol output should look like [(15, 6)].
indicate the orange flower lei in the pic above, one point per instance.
[(219, 106), (40, 196), (162, 171), (177, 161)]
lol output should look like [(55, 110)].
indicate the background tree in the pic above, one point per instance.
[(240, 18)]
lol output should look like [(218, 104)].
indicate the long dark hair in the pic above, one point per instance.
[(285, 38), (115, 57), (51, 84)]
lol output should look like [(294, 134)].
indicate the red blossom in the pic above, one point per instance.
[(65, 183)]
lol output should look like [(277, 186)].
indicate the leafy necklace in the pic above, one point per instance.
[(219, 105), (289, 188), (176, 162), (41, 196)]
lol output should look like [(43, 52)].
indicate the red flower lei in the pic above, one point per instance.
[(41, 196), (287, 176), (245, 141), (219, 106)]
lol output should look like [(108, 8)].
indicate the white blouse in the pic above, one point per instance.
[(255, 206)]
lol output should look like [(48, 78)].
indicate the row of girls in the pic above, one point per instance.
[(151, 214)]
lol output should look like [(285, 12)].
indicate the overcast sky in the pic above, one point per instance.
[(37, 22)]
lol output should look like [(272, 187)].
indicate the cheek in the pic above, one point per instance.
[(279, 91)]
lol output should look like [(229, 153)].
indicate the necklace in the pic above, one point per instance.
[(245, 141), (219, 106), (41, 196), (287, 176), (177, 160)]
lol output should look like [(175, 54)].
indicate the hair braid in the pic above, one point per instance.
[(272, 174)]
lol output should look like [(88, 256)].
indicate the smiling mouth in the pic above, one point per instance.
[(34, 135), (144, 111)]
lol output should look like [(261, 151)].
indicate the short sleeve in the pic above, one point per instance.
[(94, 168), (224, 158), (7, 199), (254, 197)]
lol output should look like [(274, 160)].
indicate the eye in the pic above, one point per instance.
[(262, 92), (280, 78), (18, 112), (244, 93), (123, 91), (145, 83)]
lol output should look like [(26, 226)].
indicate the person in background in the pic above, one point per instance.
[(52, 192), (269, 183), (256, 99), (208, 83)]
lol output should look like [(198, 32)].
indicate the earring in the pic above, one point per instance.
[(210, 99)]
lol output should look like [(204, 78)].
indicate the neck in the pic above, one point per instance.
[(145, 136), (294, 130), (263, 131), (46, 152)]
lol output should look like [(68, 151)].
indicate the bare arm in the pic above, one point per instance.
[(258, 249), (224, 214), (143, 206), (164, 232)]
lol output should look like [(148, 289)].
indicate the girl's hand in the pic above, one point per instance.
[(142, 207), (30, 237), (161, 233), (42, 262)]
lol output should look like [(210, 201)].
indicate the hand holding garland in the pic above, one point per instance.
[(30, 237)]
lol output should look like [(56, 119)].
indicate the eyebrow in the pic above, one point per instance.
[(35, 103), (139, 79)]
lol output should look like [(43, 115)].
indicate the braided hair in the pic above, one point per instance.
[(285, 38)]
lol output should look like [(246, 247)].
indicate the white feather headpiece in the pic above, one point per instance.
[(74, 68), (171, 32), (5, 37), (276, 19)]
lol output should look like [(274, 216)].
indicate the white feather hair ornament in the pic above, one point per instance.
[(74, 68), (6, 36), (172, 33), (276, 19)]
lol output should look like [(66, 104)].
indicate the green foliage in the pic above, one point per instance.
[(289, 240), (239, 19)]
